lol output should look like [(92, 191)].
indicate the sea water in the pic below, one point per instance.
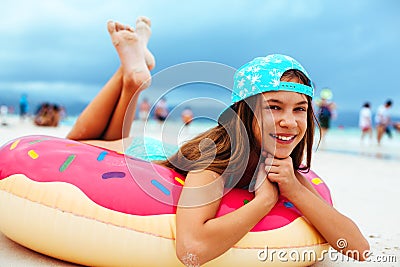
[(348, 141), (344, 140)]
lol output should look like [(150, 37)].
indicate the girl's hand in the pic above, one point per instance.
[(281, 172), (264, 189)]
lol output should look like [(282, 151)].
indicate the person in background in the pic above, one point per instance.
[(42, 116), (396, 126), (187, 116), (3, 115), (161, 110), (365, 121), (144, 109), (63, 113), (325, 113), (55, 115), (47, 115), (23, 106), (382, 120)]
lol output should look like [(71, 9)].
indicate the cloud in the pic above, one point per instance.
[(51, 91), (344, 44)]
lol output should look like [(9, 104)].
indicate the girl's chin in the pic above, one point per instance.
[(281, 154)]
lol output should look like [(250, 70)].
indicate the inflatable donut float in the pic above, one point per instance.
[(97, 207)]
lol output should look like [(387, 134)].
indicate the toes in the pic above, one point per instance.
[(144, 19), (119, 26), (116, 26), (150, 61), (111, 26)]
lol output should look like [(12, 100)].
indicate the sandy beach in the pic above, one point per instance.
[(363, 180)]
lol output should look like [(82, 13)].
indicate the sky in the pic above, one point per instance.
[(60, 51)]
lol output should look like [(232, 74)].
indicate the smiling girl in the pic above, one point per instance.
[(264, 138)]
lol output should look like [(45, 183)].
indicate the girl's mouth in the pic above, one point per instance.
[(283, 138)]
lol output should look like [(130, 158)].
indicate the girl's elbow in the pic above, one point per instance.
[(181, 252), (188, 253)]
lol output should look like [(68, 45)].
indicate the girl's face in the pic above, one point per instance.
[(283, 122)]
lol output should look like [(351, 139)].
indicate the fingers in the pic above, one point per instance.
[(274, 167), (270, 162), (273, 177)]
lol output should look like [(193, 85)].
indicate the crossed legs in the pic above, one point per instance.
[(110, 114)]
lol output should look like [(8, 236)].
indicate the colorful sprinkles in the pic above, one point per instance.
[(73, 144), (179, 180), (36, 141), (317, 181), (14, 144), (160, 187), (67, 162), (288, 204), (109, 175), (102, 155), (33, 154)]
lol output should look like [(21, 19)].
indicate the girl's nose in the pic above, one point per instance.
[(288, 121)]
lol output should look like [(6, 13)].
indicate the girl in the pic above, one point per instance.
[(261, 142)]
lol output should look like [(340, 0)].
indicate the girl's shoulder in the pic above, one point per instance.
[(203, 174), (202, 187)]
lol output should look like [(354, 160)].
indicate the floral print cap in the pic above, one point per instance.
[(263, 74)]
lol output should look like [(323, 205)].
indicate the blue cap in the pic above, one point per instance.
[(263, 74)]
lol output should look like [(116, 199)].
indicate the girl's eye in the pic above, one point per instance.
[(273, 107), (301, 109)]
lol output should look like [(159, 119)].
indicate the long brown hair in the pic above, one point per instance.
[(231, 148)]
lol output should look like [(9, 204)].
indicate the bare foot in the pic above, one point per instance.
[(131, 52), (143, 29)]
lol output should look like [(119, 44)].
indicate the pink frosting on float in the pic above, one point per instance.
[(122, 183)]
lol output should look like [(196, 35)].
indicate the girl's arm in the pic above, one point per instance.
[(200, 237), (341, 232), (336, 228)]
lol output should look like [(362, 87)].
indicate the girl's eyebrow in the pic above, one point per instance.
[(273, 101), (304, 102)]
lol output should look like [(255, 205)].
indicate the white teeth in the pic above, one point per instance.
[(283, 138)]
